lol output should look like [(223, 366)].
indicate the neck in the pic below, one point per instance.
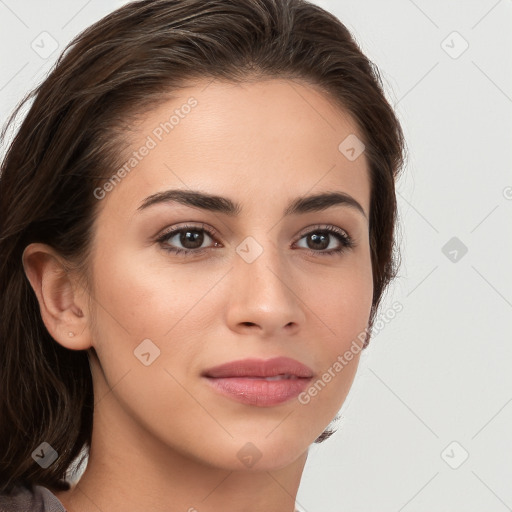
[(115, 482)]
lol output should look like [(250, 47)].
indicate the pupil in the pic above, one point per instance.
[(323, 239), (194, 238)]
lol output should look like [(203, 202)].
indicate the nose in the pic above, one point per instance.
[(263, 296)]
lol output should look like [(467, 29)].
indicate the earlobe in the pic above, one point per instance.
[(62, 307)]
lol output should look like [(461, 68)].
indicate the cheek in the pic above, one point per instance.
[(342, 300), (138, 298), (143, 299), (344, 316), (340, 308)]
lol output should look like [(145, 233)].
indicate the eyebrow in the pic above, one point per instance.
[(219, 204)]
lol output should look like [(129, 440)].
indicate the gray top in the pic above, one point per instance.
[(37, 499)]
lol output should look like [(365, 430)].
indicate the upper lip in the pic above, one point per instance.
[(260, 368)]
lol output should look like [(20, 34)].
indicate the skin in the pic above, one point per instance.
[(163, 440)]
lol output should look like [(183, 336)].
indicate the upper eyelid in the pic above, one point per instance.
[(320, 227), (199, 227)]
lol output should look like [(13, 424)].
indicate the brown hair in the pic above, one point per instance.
[(74, 127)]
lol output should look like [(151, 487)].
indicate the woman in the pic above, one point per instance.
[(197, 227)]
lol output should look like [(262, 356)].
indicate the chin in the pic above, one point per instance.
[(258, 451)]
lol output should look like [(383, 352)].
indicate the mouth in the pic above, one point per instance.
[(260, 382)]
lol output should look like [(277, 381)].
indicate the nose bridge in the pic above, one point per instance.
[(262, 291), (258, 261)]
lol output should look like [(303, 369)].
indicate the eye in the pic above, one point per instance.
[(323, 237), (191, 239)]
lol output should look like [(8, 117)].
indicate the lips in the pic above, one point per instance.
[(260, 368), (260, 382)]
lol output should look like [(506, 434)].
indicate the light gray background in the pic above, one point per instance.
[(440, 371)]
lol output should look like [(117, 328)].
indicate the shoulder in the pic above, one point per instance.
[(35, 499)]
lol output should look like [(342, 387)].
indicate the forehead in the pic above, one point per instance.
[(259, 142)]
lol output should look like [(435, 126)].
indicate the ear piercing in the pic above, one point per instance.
[(71, 334)]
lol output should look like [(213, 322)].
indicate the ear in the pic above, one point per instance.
[(63, 304)]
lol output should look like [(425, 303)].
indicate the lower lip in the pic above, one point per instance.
[(259, 392)]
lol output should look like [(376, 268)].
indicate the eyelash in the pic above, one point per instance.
[(346, 242)]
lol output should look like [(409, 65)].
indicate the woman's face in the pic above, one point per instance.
[(252, 280)]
